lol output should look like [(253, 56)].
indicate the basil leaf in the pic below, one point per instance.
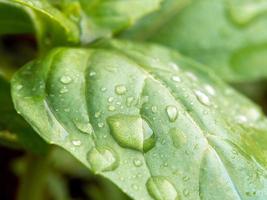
[(158, 125), (227, 35)]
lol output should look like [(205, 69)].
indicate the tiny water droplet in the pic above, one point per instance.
[(135, 187), (111, 108), (137, 162), (172, 113), (210, 89), (103, 89), (174, 66), (100, 124), (176, 78), (154, 109), (178, 137), (19, 87), (202, 97), (120, 89), (102, 159), (131, 131), (241, 119), (110, 99), (76, 142), (97, 114), (65, 79), (92, 73), (63, 90), (160, 188)]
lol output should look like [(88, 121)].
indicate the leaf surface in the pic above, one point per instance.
[(227, 35), (158, 125)]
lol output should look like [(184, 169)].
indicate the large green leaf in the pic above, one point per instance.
[(228, 35), (75, 21), (156, 124)]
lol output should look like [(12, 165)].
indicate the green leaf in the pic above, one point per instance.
[(73, 22), (156, 124), (14, 19), (14, 131), (227, 35)]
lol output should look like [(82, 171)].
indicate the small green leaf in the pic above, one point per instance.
[(227, 35), (175, 131)]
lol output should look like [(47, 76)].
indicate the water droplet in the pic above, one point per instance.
[(120, 89), (210, 89), (154, 109), (137, 162), (63, 90), (174, 66), (241, 119), (110, 99), (65, 79), (202, 97), (19, 87), (102, 159), (178, 137), (134, 186), (111, 108), (76, 142), (103, 89), (176, 78), (92, 73), (84, 127), (100, 124), (97, 114), (131, 131), (160, 188), (172, 113)]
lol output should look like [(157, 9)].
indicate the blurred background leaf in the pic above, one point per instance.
[(229, 36)]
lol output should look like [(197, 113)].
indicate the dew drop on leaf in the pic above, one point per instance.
[(84, 127), (154, 109), (137, 162), (63, 90), (210, 89), (120, 89), (76, 142), (176, 78), (102, 159), (172, 113), (202, 98), (178, 137), (65, 79), (110, 99), (111, 108), (160, 188), (131, 131)]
